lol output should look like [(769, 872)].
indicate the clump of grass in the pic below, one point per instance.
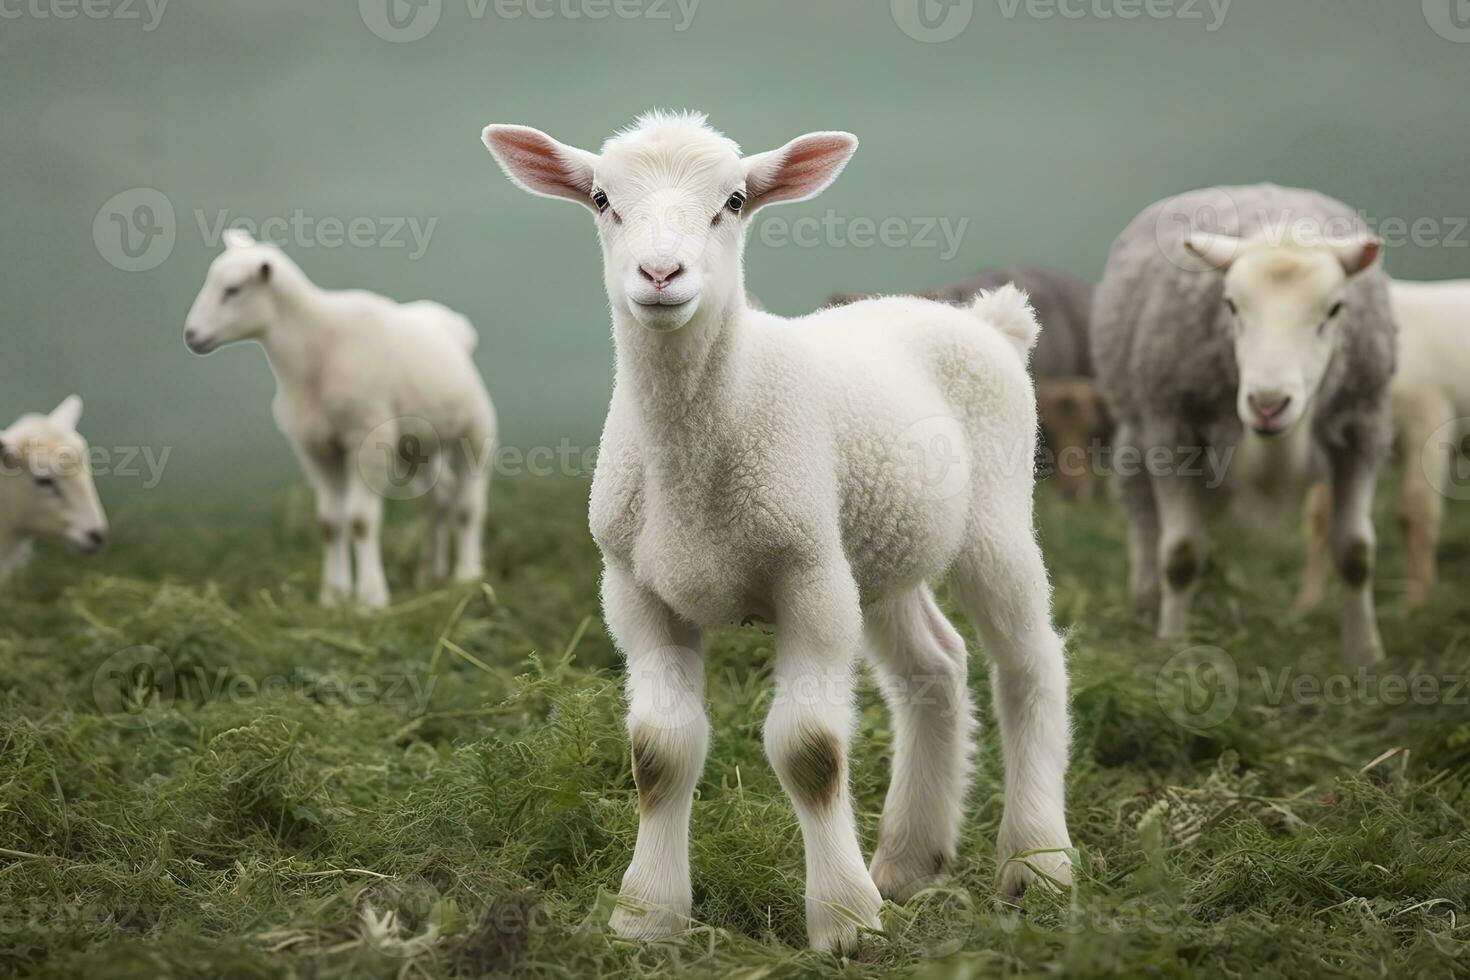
[(204, 773)]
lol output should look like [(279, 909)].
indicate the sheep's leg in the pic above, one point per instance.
[(364, 507), (819, 634), (1002, 585), (669, 734), (469, 525), (1143, 525), (1317, 523), (328, 476), (434, 562), (1353, 544), (920, 663), (1183, 550), (1421, 504)]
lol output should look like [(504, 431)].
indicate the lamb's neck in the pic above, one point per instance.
[(677, 381), (295, 341)]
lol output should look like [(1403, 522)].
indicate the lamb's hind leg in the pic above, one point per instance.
[(1002, 583), (920, 663), (1354, 546), (1143, 523), (669, 734), (819, 635), (434, 563)]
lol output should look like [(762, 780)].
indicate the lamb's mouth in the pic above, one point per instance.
[(664, 303)]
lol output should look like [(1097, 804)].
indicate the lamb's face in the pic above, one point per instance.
[(237, 302), (49, 459), (1284, 302), (672, 197), (671, 206)]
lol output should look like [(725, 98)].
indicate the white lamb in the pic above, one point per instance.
[(1431, 413), (377, 398), (46, 486), (817, 474)]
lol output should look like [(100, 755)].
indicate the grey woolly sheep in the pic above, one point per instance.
[(1248, 357)]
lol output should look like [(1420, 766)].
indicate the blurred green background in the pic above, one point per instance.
[(1044, 132)]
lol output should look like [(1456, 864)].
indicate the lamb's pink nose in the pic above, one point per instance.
[(1268, 407), (661, 275)]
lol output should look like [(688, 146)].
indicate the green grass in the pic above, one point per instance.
[(292, 776)]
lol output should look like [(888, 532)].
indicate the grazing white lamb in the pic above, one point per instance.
[(46, 486), (377, 398), (817, 474), (1269, 346), (1431, 411)]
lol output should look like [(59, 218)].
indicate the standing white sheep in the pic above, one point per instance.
[(46, 486), (1431, 411), (817, 474), (377, 398), (1270, 347)]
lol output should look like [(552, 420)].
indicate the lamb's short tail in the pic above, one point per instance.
[(1008, 309)]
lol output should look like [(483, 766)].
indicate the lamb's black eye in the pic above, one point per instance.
[(600, 200), (1230, 303), (231, 292), (46, 482), (736, 203), (1337, 308)]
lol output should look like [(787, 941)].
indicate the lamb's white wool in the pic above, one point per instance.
[(1431, 406), (377, 398), (46, 486), (816, 474)]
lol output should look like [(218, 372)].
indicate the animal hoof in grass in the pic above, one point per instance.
[(1045, 868), (900, 877), (834, 925), (644, 921)]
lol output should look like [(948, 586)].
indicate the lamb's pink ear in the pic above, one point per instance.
[(1357, 254), (68, 413), (801, 169), (1219, 251), (541, 165)]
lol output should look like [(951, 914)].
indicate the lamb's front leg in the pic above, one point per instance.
[(328, 477), (669, 734), (364, 510), (1354, 475), (819, 632)]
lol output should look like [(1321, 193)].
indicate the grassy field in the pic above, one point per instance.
[(444, 790)]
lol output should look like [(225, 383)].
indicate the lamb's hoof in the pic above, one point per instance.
[(1363, 655), (1306, 602), (469, 576), (1047, 868), (373, 600), (333, 598), (644, 921), (834, 926), (1417, 597), (1143, 599), (901, 877)]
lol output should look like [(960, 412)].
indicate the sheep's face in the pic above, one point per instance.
[(1284, 303), (237, 302), (672, 197), (53, 491)]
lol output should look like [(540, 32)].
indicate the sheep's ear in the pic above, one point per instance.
[(1357, 254), (238, 238), (799, 170), (541, 165), (68, 413), (1219, 251), (8, 458)]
